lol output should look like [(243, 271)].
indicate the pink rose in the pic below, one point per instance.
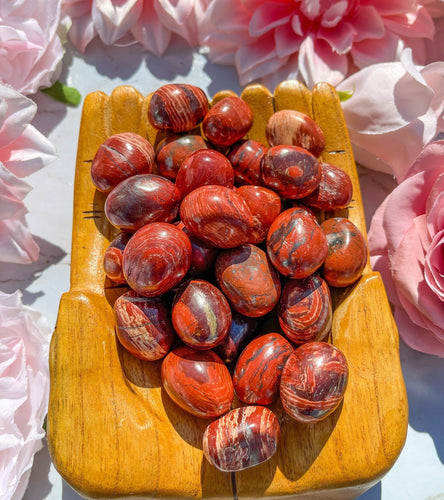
[(406, 241), (24, 389), (30, 47), (23, 150), (396, 109)]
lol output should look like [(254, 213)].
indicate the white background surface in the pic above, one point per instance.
[(419, 472)]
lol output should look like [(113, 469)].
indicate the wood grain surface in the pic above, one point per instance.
[(112, 430)]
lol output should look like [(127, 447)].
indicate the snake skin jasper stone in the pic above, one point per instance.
[(347, 252), (197, 381), (143, 326), (265, 205), (245, 157), (335, 189), (173, 150), (227, 121), (258, 370), (305, 309), (177, 107), (202, 168), (156, 258), (217, 215), (112, 259), (140, 200), (248, 280), (242, 438), (289, 127), (119, 157), (291, 171), (313, 381), (296, 244), (201, 314)]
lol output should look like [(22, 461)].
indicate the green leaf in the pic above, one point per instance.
[(63, 93), (344, 95)]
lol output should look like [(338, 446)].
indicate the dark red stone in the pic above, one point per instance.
[(156, 258), (265, 205), (245, 157), (305, 309), (289, 127), (347, 252), (140, 200), (335, 189), (197, 381), (248, 280), (242, 438), (172, 150), (143, 326), (227, 121), (202, 168), (201, 314), (313, 381), (291, 171), (217, 215), (112, 259), (296, 244), (119, 157), (258, 370), (177, 107)]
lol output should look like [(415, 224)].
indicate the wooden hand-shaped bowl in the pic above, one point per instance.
[(113, 432)]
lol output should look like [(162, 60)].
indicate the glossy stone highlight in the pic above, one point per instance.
[(197, 381), (177, 107), (347, 252), (143, 326), (305, 309), (242, 438), (245, 157), (140, 200), (258, 370), (217, 215), (119, 157), (156, 259), (313, 381), (113, 257)]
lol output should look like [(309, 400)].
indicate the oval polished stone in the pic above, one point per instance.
[(156, 258), (248, 280), (217, 215), (119, 157), (290, 127), (265, 205), (313, 381), (347, 252), (201, 314), (143, 326), (242, 438), (227, 121), (305, 309), (335, 189), (173, 150), (112, 259), (245, 157), (296, 244), (177, 107), (197, 381), (291, 171), (258, 370), (202, 168), (140, 200)]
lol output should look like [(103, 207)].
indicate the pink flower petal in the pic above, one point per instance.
[(12, 193), (392, 8), (268, 16), (435, 206), (340, 38), (114, 19), (373, 51), (377, 239), (286, 40), (434, 265), (418, 24), (17, 245), (368, 23), (149, 31)]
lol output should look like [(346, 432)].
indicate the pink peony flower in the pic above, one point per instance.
[(324, 40), (24, 390), (23, 150), (406, 241), (30, 49), (149, 22), (396, 109)]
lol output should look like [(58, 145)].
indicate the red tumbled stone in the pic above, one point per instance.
[(245, 157), (112, 259)]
